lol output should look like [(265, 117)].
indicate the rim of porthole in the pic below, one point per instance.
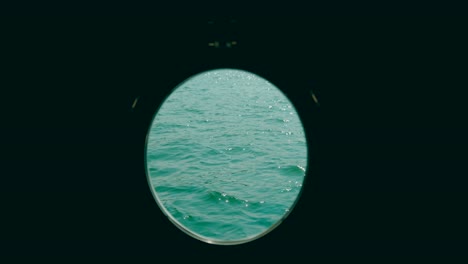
[(180, 225)]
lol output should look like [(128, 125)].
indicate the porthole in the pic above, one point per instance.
[(226, 156)]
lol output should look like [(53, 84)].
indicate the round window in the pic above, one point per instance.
[(226, 156)]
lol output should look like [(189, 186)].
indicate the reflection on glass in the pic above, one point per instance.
[(226, 156)]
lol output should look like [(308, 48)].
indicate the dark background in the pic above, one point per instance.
[(387, 169)]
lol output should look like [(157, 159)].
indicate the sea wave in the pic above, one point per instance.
[(226, 161)]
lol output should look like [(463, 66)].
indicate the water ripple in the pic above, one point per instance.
[(227, 160)]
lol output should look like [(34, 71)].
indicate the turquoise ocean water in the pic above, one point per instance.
[(226, 155)]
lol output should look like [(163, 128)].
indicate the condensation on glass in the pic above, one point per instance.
[(226, 156)]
